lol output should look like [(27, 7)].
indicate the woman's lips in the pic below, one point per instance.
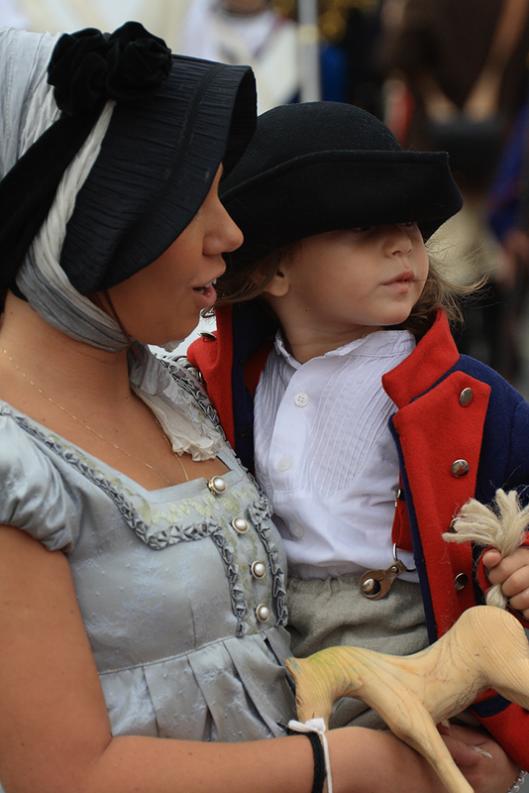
[(207, 294)]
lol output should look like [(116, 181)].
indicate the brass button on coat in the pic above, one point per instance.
[(240, 525), (258, 569), (460, 581), (459, 468), (262, 613), (466, 396)]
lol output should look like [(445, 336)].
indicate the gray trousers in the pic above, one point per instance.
[(332, 611)]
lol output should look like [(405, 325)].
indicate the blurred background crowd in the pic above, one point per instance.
[(443, 74)]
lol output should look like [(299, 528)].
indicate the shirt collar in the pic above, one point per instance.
[(379, 344)]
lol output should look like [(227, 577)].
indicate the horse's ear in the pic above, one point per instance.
[(292, 664), (311, 680)]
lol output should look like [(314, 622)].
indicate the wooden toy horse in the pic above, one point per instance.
[(415, 693)]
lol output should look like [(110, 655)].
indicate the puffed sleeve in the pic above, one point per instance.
[(34, 495)]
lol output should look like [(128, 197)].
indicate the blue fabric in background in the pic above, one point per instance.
[(333, 64), (504, 196)]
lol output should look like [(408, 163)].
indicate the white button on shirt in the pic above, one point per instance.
[(301, 400), (331, 469)]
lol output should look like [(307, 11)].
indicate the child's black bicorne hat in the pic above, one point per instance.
[(319, 166)]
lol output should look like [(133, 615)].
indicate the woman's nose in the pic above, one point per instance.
[(226, 236), (234, 236)]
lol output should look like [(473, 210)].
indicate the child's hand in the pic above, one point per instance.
[(512, 573), (482, 761)]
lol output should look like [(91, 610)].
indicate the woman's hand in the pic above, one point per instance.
[(483, 762)]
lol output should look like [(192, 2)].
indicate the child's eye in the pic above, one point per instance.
[(361, 229)]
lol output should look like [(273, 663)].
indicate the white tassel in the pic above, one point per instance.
[(502, 528)]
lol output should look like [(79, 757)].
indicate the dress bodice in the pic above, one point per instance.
[(181, 589)]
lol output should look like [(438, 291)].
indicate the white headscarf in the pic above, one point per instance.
[(27, 109)]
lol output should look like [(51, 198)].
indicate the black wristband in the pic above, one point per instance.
[(319, 762), (319, 753)]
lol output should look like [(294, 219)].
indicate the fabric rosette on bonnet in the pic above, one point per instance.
[(319, 166)]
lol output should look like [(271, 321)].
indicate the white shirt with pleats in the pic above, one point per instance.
[(325, 455)]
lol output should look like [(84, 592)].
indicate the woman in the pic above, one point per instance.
[(141, 583)]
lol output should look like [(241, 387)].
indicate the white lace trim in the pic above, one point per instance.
[(177, 411)]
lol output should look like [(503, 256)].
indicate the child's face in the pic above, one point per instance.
[(351, 281)]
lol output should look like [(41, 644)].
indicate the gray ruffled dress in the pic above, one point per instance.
[(182, 590)]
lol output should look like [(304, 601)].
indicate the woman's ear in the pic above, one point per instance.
[(279, 284)]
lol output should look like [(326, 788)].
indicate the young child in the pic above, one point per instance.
[(370, 430)]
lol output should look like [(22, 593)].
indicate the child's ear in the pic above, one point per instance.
[(279, 284)]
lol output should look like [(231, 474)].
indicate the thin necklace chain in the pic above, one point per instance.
[(91, 429)]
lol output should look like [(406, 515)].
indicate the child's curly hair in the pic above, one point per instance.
[(246, 282)]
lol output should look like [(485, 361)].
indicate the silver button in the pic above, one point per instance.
[(240, 525), (217, 485), (262, 613), (459, 468), (301, 399), (460, 581), (258, 569), (466, 396)]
